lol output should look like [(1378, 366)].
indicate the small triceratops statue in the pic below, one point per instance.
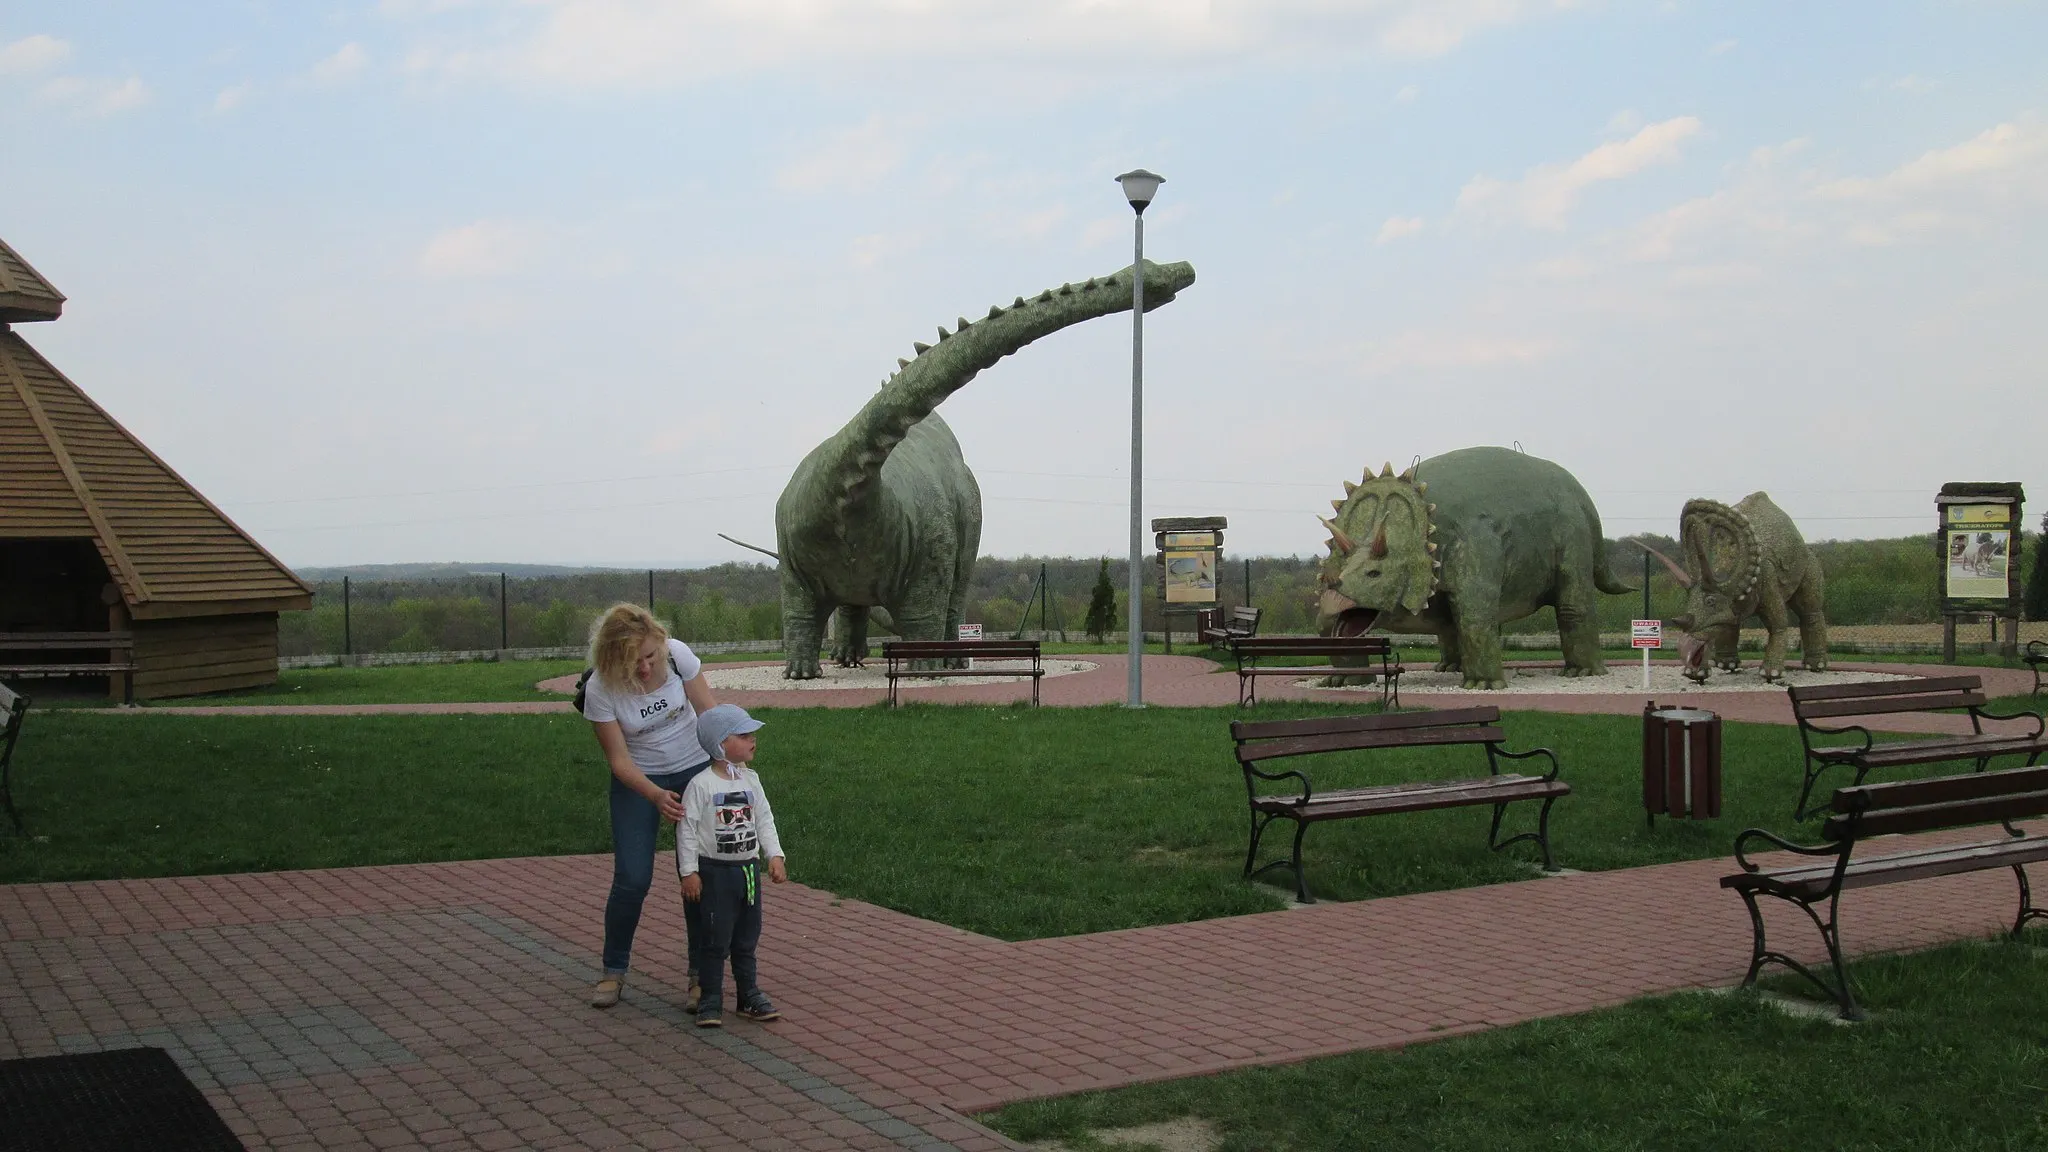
[(1748, 560)]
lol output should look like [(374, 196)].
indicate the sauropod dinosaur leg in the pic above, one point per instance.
[(850, 636), (1447, 649), (1475, 609), (803, 628)]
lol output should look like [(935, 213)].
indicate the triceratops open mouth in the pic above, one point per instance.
[(1357, 621), (1692, 651)]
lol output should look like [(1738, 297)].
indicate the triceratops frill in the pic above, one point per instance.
[(886, 514)]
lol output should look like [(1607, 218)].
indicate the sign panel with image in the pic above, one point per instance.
[(1977, 563), (1191, 577), (1979, 545)]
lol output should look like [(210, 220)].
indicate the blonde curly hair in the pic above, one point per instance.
[(615, 641)]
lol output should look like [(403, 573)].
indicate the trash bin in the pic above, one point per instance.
[(1681, 763)]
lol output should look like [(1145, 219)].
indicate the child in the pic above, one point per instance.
[(727, 830)]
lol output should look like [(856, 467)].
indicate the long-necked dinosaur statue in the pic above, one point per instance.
[(886, 514)]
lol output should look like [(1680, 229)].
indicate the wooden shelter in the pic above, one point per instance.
[(99, 536)]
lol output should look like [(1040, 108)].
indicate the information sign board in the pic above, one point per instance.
[(969, 632), (1646, 633)]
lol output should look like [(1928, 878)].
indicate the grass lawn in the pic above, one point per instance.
[(1012, 821), (1955, 1057)]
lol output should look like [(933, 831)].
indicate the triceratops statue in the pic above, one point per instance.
[(1746, 561), (1459, 545)]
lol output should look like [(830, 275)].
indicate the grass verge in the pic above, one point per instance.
[(1954, 1058), (1012, 821)]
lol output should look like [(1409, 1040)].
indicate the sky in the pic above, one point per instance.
[(580, 281)]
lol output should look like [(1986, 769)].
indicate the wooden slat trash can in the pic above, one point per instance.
[(1681, 763)]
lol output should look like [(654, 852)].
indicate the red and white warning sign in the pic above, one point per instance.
[(1646, 633)]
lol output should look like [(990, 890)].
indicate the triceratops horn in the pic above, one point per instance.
[(1677, 573), (1387, 469), (1379, 543), (1343, 542), (1349, 487), (1409, 474)]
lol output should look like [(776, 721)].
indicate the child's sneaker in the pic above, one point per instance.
[(710, 1014), (757, 1007)]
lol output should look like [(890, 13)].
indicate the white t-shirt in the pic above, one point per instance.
[(660, 726), (725, 818)]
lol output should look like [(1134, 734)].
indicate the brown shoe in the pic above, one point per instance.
[(606, 993)]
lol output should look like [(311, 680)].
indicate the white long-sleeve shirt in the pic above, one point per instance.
[(725, 817)]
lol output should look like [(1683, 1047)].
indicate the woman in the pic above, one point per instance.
[(642, 699)]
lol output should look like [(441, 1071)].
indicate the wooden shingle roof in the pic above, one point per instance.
[(24, 294), (67, 469)]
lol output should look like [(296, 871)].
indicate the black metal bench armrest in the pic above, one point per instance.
[(1307, 789), (2040, 725), (1843, 749), (1525, 755), (1777, 841)]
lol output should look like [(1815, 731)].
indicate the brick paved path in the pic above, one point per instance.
[(441, 1004)]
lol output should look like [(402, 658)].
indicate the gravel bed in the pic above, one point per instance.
[(768, 678), (1664, 680)]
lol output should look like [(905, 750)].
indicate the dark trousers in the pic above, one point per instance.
[(636, 824), (729, 924)]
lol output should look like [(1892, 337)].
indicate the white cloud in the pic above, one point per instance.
[(1996, 157), (1546, 194), (657, 43), (850, 160), (1912, 82), (1398, 226), (1408, 94), (347, 62), (483, 249), (1721, 47), (228, 99), (91, 96), (32, 54)]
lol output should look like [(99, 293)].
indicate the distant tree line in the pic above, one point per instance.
[(1868, 582)]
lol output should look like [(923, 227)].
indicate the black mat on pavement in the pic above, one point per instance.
[(133, 1098)]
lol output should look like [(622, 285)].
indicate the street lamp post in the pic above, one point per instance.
[(1139, 188)]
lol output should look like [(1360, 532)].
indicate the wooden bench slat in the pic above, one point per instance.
[(1964, 786), (1813, 880), (1422, 798), (922, 673), (1874, 688), (1928, 817), (1903, 753), (1927, 702), (1358, 741), (1369, 722), (1313, 645)]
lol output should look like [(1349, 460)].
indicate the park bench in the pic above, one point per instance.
[(1252, 652), (2037, 655), (57, 646), (13, 710), (904, 656), (1871, 810), (1243, 622), (1259, 744), (1896, 697)]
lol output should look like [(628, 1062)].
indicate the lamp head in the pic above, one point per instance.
[(1139, 187)]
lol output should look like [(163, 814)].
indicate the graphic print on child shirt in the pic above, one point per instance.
[(732, 820)]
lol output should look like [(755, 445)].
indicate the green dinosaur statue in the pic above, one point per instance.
[(886, 514), (1749, 560), (1462, 543)]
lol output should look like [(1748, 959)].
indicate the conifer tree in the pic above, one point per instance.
[(1102, 605)]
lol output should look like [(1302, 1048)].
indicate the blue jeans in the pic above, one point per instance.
[(635, 825)]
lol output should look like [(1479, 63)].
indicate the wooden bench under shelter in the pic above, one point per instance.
[(1242, 622), (2036, 656), (1872, 810), (13, 710), (59, 654), (1259, 744), (1898, 697), (904, 656), (1252, 652)]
